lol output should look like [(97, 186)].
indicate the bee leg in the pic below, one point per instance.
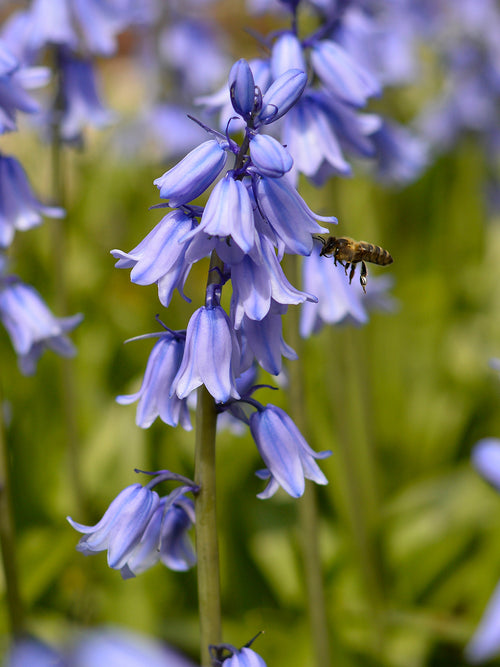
[(346, 266), (351, 274), (363, 276)]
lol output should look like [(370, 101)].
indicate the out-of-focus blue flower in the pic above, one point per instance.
[(15, 79), (160, 256), (486, 460), (122, 526), (31, 326), (88, 25), (192, 175), (165, 538), (211, 356), (287, 54), (81, 104), (155, 399), (341, 75), (485, 643), (113, 647), (19, 208), (30, 652), (400, 154), (288, 457), (244, 657)]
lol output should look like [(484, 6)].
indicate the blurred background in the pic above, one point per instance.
[(409, 393)]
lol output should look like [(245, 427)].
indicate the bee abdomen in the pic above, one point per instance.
[(376, 255)]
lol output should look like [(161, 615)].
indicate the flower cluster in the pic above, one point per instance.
[(252, 217), (139, 528)]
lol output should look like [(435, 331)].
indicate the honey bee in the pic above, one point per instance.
[(348, 252)]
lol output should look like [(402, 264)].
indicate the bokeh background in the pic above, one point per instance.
[(409, 573)]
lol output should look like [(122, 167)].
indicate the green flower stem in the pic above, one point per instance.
[(206, 525), (207, 548), (15, 608), (66, 367), (308, 519)]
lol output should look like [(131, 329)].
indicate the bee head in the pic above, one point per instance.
[(329, 246)]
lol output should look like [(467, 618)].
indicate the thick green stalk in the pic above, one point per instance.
[(307, 505), (206, 525), (15, 608)]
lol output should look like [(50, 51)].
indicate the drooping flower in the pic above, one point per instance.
[(19, 208), (288, 457), (210, 357), (229, 656), (154, 396), (165, 539), (31, 326), (160, 256), (122, 526)]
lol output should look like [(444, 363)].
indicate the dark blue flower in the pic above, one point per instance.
[(19, 208), (242, 88), (210, 357), (31, 326), (121, 528), (154, 396), (288, 457)]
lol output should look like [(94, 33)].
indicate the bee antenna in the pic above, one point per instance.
[(319, 238)]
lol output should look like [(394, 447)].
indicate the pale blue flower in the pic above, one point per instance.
[(192, 175), (154, 396), (160, 256), (210, 357), (165, 538), (31, 326), (291, 219), (269, 157), (19, 208), (281, 95), (244, 657), (122, 526), (288, 457)]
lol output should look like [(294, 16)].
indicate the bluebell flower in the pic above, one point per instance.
[(15, 79), (121, 528), (242, 88), (165, 539), (229, 213), (192, 175), (486, 460), (269, 157), (485, 643), (341, 75), (257, 281), (19, 208), (160, 256), (210, 357), (81, 103), (30, 651), (154, 396), (31, 326), (281, 95), (245, 657), (287, 53), (263, 341), (289, 216), (114, 647), (400, 155), (288, 457)]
